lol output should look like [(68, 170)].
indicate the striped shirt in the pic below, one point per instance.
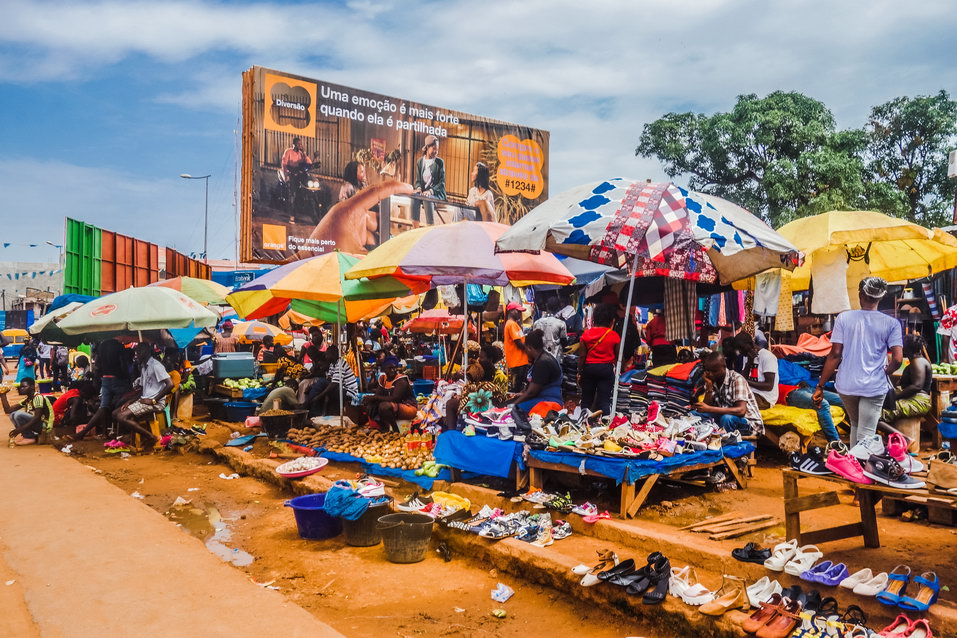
[(341, 372)]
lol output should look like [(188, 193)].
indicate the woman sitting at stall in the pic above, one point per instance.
[(912, 397), (394, 399), (543, 390), (481, 378)]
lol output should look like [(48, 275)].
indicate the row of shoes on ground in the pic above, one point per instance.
[(537, 529), (884, 467), (650, 581), (561, 503), (889, 589), (800, 613)]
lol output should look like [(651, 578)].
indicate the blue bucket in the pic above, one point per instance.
[(947, 429), (237, 411), (311, 519)]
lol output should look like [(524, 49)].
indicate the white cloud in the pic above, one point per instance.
[(591, 72)]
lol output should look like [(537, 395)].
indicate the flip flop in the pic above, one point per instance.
[(596, 517)]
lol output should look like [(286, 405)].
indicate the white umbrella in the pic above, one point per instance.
[(148, 308)]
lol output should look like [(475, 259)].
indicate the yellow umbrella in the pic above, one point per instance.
[(896, 248)]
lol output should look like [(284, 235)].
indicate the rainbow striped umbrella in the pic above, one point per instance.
[(249, 331), (319, 280), (457, 253)]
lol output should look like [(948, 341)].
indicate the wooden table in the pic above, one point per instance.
[(868, 496), (632, 496)]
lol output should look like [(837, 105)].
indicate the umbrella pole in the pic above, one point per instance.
[(342, 420), (624, 332), (465, 330)]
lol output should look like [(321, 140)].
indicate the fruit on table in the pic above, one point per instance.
[(242, 384)]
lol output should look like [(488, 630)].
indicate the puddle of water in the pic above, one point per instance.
[(209, 526)]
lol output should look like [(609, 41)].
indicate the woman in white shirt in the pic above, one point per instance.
[(480, 195)]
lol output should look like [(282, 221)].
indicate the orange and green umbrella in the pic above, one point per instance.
[(319, 280)]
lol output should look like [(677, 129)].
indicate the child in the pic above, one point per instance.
[(31, 417)]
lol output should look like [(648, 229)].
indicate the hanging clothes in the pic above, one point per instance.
[(749, 313), (856, 271), (767, 292), (829, 278), (784, 320), (681, 304)]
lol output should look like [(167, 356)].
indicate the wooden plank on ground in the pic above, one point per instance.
[(747, 529), (713, 519)]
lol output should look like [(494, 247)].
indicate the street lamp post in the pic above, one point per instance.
[(205, 213)]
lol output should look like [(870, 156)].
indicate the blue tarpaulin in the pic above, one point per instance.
[(634, 469), (479, 454)]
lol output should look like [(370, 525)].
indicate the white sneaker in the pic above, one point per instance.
[(868, 446)]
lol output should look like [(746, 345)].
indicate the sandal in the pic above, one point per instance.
[(604, 557), (781, 624), (803, 559), (780, 555), (920, 628), (596, 517), (900, 626), (751, 553), (926, 595), (684, 585), (896, 585)]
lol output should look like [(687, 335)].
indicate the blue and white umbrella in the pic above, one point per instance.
[(657, 229)]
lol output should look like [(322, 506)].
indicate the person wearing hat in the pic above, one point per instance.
[(861, 340), (429, 181), (516, 359)]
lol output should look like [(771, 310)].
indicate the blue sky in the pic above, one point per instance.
[(105, 103)]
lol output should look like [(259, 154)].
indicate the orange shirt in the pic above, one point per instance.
[(514, 357)]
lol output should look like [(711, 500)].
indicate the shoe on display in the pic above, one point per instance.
[(544, 538), (561, 529), (414, 503), (762, 590), (606, 560), (803, 559), (811, 462), (780, 555), (858, 577), (843, 464), (885, 470), (684, 584), (872, 586), (897, 449), (751, 553), (867, 447), (585, 509)]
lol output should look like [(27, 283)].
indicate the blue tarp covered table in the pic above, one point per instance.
[(627, 471), (479, 454)]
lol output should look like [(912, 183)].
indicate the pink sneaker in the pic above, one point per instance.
[(843, 464), (897, 449)]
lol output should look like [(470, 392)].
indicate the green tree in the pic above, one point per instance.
[(779, 156), (907, 144)]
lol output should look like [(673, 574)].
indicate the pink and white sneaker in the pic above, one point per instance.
[(843, 464), (897, 449)]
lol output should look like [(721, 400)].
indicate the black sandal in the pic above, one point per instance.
[(622, 569), (751, 553), (661, 579)]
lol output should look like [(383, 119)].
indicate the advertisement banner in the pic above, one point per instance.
[(327, 167)]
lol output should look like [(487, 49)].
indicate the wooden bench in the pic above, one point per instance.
[(868, 496)]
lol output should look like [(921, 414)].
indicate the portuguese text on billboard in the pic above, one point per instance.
[(327, 167)]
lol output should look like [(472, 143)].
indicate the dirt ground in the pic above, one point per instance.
[(354, 589)]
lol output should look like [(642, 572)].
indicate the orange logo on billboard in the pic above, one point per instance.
[(520, 165), (274, 237), (290, 105), (102, 311)]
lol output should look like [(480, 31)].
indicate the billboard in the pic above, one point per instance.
[(327, 167)]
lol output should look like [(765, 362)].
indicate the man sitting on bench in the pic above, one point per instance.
[(154, 383)]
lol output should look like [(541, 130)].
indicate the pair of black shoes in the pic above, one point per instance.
[(650, 582)]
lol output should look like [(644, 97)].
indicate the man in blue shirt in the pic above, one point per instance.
[(861, 340)]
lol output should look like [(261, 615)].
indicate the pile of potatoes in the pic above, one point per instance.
[(390, 449)]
